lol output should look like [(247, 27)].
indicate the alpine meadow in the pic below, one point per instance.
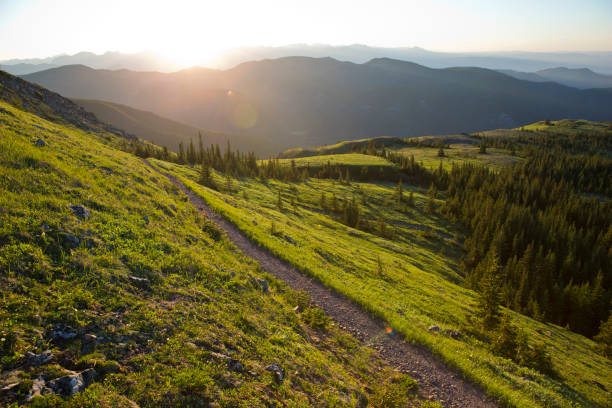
[(291, 205)]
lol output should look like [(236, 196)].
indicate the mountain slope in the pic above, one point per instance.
[(105, 295), (303, 101), (166, 132)]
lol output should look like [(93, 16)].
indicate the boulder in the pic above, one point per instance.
[(40, 143), (434, 328), (90, 338), (146, 219), (80, 211)]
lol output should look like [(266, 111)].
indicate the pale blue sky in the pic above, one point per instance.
[(196, 29)]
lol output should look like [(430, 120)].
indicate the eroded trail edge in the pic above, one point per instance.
[(436, 380)]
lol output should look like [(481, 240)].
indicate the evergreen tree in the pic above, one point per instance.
[(400, 192), (489, 300), (279, 201), (181, 155)]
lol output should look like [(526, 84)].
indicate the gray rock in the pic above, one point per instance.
[(38, 359), (264, 285), (139, 280), (289, 240), (40, 143), (70, 240), (146, 219), (71, 384), (278, 373), (9, 388), (236, 365), (90, 338), (62, 332), (454, 334), (434, 328), (80, 211), (38, 389), (107, 169)]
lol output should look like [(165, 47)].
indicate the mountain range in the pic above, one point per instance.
[(582, 78), (141, 61), (600, 62), (299, 101)]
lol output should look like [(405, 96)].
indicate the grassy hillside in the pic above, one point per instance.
[(166, 132), (341, 147), (140, 288), (411, 281)]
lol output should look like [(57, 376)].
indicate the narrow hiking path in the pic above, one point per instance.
[(436, 380)]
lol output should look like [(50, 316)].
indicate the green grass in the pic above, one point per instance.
[(349, 159), (156, 339), (419, 285), (564, 126), (460, 154), (340, 147)]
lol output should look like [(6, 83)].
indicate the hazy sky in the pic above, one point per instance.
[(191, 30)]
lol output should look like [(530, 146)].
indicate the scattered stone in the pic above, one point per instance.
[(39, 359), (138, 279), (146, 219), (63, 332), (9, 388), (278, 373), (71, 384), (71, 240), (264, 285), (289, 240), (38, 389), (220, 356), (454, 334), (80, 211), (90, 338), (40, 143), (434, 328), (107, 169), (236, 365)]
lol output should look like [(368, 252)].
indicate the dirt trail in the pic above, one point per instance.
[(436, 380)]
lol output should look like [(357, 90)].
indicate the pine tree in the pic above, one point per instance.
[(279, 201), (489, 300), (181, 156), (411, 199), (323, 202), (228, 183), (441, 152), (400, 192), (604, 337)]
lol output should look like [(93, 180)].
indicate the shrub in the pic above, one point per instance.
[(315, 318)]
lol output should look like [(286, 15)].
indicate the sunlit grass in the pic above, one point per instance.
[(420, 285)]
